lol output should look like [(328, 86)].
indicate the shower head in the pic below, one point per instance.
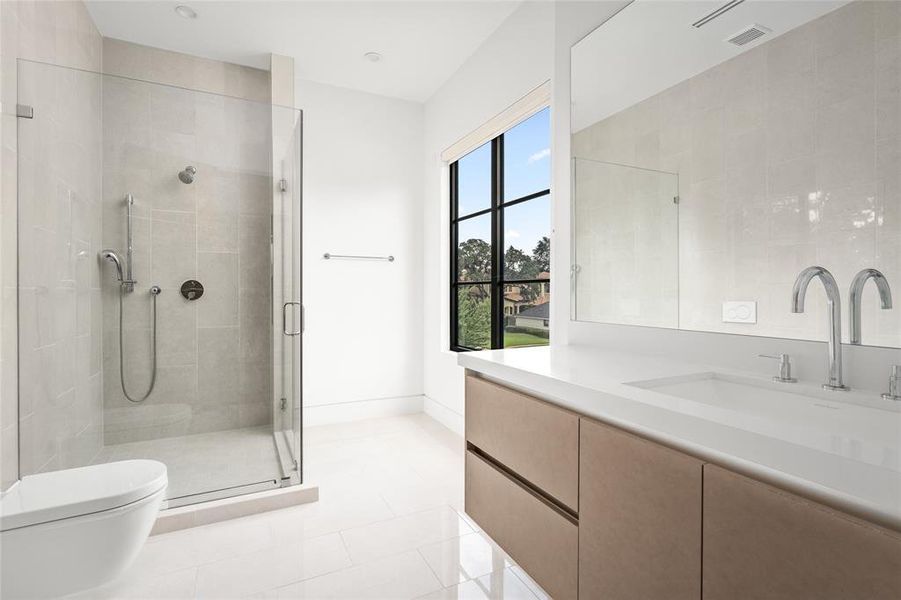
[(111, 256), (187, 176)]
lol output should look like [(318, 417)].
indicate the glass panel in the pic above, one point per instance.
[(527, 314), (59, 318), (474, 181), (527, 253), (286, 291), (474, 316), (527, 157), (104, 164), (474, 249), (625, 245)]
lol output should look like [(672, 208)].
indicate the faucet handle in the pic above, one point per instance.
[(785, 367)]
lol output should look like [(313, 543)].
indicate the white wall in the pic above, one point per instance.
[(517, 58), (362, 179)]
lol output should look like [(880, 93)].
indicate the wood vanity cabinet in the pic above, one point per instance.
[(639, 517), (764, 543), (522, 481), (593, 512)]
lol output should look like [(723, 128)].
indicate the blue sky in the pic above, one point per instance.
[(527, 169)]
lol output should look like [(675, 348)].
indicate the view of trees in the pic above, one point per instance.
[(474, 310), (474, 302), (474, 261)]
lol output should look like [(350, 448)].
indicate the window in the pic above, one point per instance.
[(500, 240)]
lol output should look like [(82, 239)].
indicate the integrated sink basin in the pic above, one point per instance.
[(845, 423)]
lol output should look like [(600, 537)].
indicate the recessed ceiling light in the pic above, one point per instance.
[(186, 11), (373, 56)]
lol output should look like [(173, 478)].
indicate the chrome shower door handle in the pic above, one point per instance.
[(285, 318)]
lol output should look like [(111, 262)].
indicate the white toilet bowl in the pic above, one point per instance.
[(66, 531)]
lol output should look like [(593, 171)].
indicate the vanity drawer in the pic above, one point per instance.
[(534, 439), (538, 537)]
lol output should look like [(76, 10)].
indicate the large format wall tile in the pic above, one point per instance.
[(214, 353)]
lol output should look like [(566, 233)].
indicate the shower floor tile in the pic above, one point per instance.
[(206, 462)]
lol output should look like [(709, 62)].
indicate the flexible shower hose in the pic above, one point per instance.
[(154, 292)]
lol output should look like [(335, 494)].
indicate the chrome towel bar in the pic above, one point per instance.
[(328, 256)]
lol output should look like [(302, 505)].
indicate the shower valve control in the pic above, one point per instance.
[(192, 289)]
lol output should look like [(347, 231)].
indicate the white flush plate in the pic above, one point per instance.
[(740, 311)]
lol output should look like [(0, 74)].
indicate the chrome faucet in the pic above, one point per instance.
[(885, 297), (834, 303)]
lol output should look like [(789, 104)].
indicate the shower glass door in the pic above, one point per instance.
[(200, 194), (286, 289)]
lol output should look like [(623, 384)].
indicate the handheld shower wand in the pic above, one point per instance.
[(111, 256), (127, 285)]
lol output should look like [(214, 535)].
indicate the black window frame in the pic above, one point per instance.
[(496, 210)]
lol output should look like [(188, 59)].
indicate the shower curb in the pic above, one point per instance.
[(214, 511)]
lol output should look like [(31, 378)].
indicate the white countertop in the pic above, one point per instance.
[(843, 449)]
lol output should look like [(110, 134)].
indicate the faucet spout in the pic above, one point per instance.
[(834, 303), (857, 285)]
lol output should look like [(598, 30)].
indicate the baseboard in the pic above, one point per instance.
[(447, 417), (326, 414)]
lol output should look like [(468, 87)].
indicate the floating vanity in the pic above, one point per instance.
[(606, 475)]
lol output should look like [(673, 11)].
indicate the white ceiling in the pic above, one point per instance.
[(651, 45), (422, 42)]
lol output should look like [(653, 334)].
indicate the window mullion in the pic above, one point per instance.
[(497, 242), (454, 245)]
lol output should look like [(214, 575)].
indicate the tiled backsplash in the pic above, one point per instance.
[(213, 353), (788, 155)]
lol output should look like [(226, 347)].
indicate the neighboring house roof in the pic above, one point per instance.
[(544, 275), (540, 311)]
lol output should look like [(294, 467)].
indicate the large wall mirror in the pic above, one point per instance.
[(719, 148)]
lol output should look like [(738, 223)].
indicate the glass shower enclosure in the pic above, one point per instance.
[(625, 244), (159, 281)]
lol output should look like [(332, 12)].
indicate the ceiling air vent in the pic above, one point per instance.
[(748, 35), (716, 13)]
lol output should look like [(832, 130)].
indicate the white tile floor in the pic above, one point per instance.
[(204, 462), (389, 524)]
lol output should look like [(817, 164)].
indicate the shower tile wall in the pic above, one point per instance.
[(788, 155), (59, 229), (214, 353)]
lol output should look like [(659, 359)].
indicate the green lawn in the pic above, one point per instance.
[(523, 339)]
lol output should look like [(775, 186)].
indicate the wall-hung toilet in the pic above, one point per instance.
[(66, 531)]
